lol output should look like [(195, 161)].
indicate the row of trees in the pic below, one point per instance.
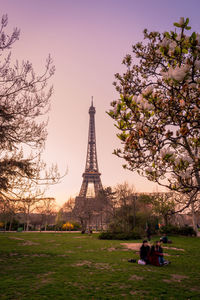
[(119, 209), (122, 209), (27, 212)]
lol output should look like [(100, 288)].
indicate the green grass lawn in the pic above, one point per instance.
[(74, 266)]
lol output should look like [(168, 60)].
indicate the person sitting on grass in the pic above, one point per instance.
[(145, 252), (165, 239), (156, 255)]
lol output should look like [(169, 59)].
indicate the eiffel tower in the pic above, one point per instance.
[(91, 174)]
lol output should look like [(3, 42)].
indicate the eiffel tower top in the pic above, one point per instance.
[(92, 108)]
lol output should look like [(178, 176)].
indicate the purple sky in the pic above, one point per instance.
[(87, 40)]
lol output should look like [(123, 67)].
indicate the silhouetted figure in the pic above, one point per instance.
[(145, 252), (148, 231)]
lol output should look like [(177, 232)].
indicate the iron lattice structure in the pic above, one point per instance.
[(91, 174)]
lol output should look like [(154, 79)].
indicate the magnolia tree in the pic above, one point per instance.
[(24, 101), (158, 111)]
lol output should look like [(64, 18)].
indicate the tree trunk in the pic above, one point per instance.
[(10, 225), (166, 220), (194, 218), (134, 211), (27, 224), (5, 225), (45, 226)]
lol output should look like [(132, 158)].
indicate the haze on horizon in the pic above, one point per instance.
[(87, 41)]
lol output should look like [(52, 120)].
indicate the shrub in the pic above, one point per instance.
[(172, 229), (187, 230), (133, 235), (76, 225)]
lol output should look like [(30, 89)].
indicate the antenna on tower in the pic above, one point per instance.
[(92, 101)]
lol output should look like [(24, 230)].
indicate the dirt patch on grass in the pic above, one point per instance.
[(25, 242), (136, 247), (29, 243), (133, 292), (45, 274), (13, 254), (15, 238), (175, 278), (132, 246), (83, 263), (168, 280), (135, 277), (102, 266), (44, 278), (150, 270), (40, 255), (139, 293), (111, 249), (99, 266), (173, 248), (123, 286)]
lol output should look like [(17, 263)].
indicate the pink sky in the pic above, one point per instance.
[(87, 40)]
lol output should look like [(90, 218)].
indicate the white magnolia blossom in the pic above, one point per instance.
[(165, 42), (185, 174), (165, 151), (197, 64), (181, 21), (139, 99), (147, 91), (198, 38), (193, 85), (158, 52), (134, 98), (179, 73), (172, 45), (115, 107), (114, 110), (179, 37), (184, 158), (149, 170), (143, 103)]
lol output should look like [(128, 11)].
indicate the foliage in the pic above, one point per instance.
[(163, 204), (108, 235), (67, 226), (130, 211), (76, 225), (172, 229), (158, 111)]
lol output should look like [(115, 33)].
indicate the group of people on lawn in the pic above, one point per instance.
[(152, 255)]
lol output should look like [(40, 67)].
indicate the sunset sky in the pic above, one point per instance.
[(87, 40)]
